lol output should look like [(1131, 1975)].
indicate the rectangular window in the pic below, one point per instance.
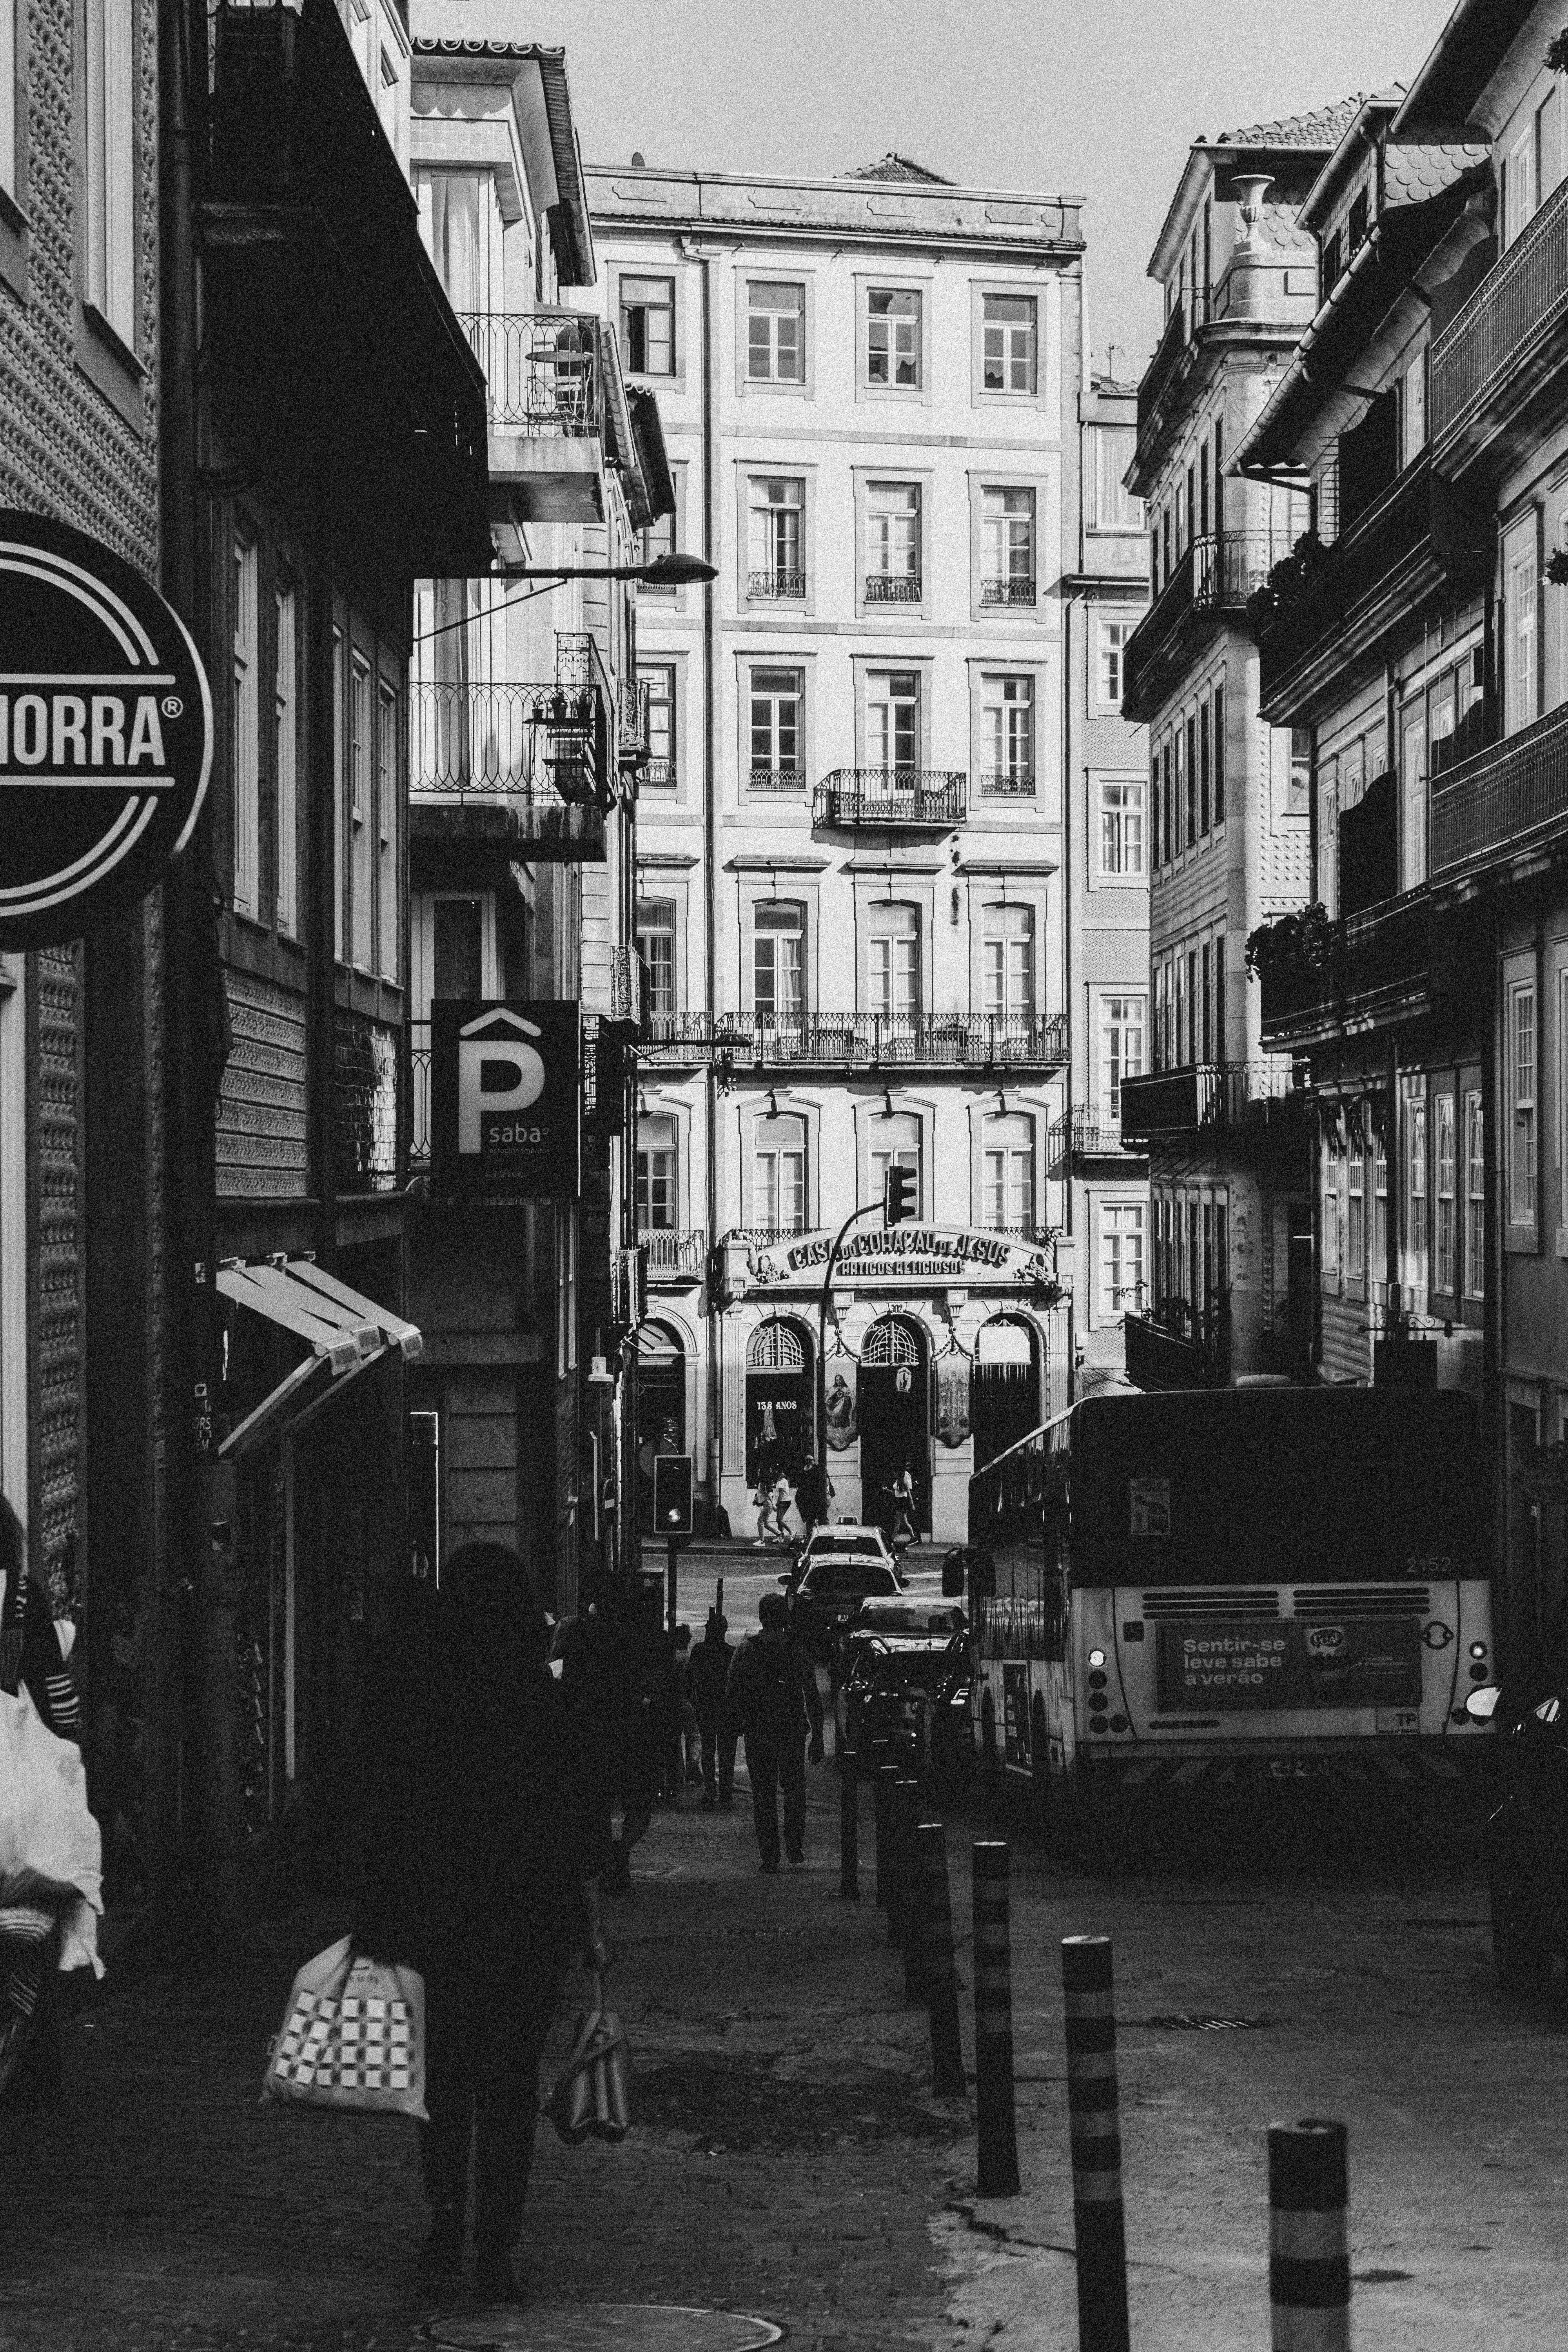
[(1121, 1257), (1191, 738), (1355, 1197), (286, 716), (655, 945), (1219, 1045), (1007, 753), (1522, 688), (1008, 1175), (775, 331), (1519, 188), (1475, 1198), (648, 325), (660, 773), (777, 552), (1115, 507), (340, 797), (245, 722), (458, 958), (778, 960), (386, 830), (1206, 767), (659, 539), (893, 720), (1121, 1050), (778, 1176), (1445, 1187), (893, 961), (1331, 1262), (1416, 1240), (8, 142), (1121, 831), (110, 252), (895, 1143), (1009, 356), (1111, 645), (1168, 825), (777, 758), (1191, 1005), (1178, 1012), (893, 543), (1205, 996), (1217, 712), (1521, 1138), (1007, 547), (1008, 963), (1413, 410), (1379, 1268), (893, 337), (653, 1174), (362, 861)]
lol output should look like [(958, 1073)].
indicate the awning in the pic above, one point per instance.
[(346, 1334)]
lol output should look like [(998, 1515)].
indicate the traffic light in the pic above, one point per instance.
[(672, 1494), (897, 1196)]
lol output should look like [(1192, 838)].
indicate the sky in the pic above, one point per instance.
[(1092, 97)]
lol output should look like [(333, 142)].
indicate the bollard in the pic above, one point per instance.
[(1308, 2252), (886, 1776), (941, 1969), (900, 1823), (995, 2122), (1099, 2225), (849, 1826)]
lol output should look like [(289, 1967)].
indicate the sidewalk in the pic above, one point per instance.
[(785, 2159)]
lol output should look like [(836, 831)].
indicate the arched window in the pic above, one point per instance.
[(1006, 1340), (1007, 1174), (778, 1175), (1008, 963), (776, 1347), (891, 1342), (778, 958)]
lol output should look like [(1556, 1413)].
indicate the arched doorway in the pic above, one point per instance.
[(895, 1418), (1006, 1394), (661, 1406), (779, 1364)]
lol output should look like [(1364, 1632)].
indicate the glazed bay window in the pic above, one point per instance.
[(1007, 547), (661, 775), (1121, 1026), (1007, 738), (893, 543), (1009, 354), (655, 945), (654, 1174), (778, 1175), (893, 337), (1120, 1258), (648, 325), (775, 331), (777, 752), (893, 961), (1520, 1046), (1122, 831), (1007, 1175), (1008, 963), (778, 960), (1444, 1189), (893, 720), (776, 554)]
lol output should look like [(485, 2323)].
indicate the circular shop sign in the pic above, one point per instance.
[(106, 731)]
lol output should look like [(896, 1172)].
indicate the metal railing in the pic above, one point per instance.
[(636, 706), (1013, 590), (1377, 962), (658, 776), (1090, 1133), (891, 797), (775, 584), (579, 662), (1194, 1357), (1162, 366), (1204, 1095), (534, 742), (840, 1041), (1348, 578), (1508, 800), (674, 1254), (1514, 309), (1006, 785), (419, 1090), (1216, 574), (775, 779), (541, 368), (892, 588)]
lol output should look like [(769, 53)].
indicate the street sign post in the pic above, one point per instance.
[(673, 1515)]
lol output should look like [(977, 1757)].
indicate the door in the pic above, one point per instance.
[(1006, 1389), (895, 1421)]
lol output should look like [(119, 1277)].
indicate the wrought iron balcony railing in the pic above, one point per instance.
[(1377, 967), (1357, 586), (892, 588), (419, 1090), (843, 1041), (543, 369), (659, 776), (1015, 589), (530, 741), (1507, 801), (636, 705), (1204, 1095), (1215, 574), (1511, 320), (1006, 784), (783, 780), (1194, 1355), (1089, 1133), (1162, 366), (885, 799), (776, 585), (674, 1254)]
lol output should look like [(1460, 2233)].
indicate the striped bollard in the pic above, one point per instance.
[(1309, 2252), (900, 1835), (1098, 2222), (940, 1968), (848, 1827), (995, 2122), (886, 1776)]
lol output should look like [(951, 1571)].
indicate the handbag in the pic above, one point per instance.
[(352, 2036), (592, 2098)]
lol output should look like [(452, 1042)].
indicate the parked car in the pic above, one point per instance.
[(827, 1586), (1526, 1838), (843, 1541), (905, 1698)]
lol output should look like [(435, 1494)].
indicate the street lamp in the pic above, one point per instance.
[(663, 572)]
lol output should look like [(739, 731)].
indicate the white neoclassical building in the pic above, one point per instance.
[(851, 832)]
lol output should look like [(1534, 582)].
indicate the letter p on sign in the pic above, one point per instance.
[(495, 1073)]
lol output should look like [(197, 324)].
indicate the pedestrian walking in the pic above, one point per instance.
[(775, 1701), (709, 1677), (482, 1857), (680, 1727), (903, 1494), (614, 1678), (780, 1499)]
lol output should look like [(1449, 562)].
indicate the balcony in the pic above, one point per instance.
[(786, 782), (1175, 1349), (1216, 576), (1497, 369), (627, 985), (673, 1256), (892, 588), (890, 800), (545, 379), (1006, 784), (1167, 357), (1013, 590), (841, 1042), (521, 767), (1089, 1133), (1502, 811), (636, 707), (776, 587), (1364, 593), (658, 776), (1229, 1095), (1377, 967)]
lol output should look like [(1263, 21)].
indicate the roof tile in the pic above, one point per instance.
[(899, 167), (1323, 129)]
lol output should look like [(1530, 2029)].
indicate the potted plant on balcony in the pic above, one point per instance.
[(1291, 955), (1287, 582)]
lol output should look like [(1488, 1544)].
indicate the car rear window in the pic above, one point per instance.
[(824, 1547), (837, 1579)]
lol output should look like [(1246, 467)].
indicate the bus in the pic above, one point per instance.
[(1159, 1582)]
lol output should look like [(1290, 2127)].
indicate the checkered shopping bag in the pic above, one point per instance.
[(352, 2036)]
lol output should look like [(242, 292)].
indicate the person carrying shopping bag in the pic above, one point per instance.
[(482, 1865)]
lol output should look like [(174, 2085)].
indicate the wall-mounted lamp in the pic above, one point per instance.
[(773, 1104), (642, 1104), (886, 1103), (1001, 1102)]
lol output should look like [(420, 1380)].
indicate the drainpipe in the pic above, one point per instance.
[(711, 1402)]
